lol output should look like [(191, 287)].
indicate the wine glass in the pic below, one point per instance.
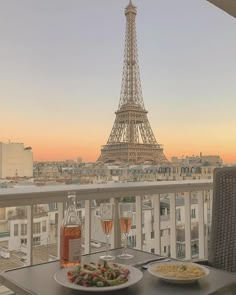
[(107, 211), (125, 215)]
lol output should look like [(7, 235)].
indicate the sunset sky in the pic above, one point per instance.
[(61, 69)]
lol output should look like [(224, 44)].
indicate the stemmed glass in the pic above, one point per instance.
[(125, 215), (107, 211)]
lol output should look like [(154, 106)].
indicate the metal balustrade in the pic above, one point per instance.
[(32, 196)]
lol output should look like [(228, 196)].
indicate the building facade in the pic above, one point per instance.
[(15, 160)]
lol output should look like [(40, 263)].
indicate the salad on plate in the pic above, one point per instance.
[(98, 275)]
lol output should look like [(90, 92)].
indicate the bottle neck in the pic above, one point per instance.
[(71, 202), (71, 217)]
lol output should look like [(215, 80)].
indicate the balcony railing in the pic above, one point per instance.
[(171, 194)]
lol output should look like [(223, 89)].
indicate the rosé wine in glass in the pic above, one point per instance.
[(107, 211), (125, 215)]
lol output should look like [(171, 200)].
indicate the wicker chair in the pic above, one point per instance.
[(222, 250)]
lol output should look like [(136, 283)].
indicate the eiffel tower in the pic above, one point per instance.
[(131, 139)]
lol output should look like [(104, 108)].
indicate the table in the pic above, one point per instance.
[(38, 280)]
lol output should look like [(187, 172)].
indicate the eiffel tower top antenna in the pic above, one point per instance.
[(131, 91)]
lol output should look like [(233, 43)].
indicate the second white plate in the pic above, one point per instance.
[(151, 270)]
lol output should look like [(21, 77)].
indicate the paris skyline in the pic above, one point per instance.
[(62, 67)]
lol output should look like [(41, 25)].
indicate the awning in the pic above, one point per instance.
[(228, 6)]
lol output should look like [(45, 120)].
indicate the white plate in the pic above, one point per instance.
[(173, 279), (135, 275)]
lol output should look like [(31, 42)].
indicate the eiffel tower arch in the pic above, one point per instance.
[(131, 140)]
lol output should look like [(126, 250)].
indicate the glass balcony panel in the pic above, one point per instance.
[(15, 234), (13, 237), (45, 233)]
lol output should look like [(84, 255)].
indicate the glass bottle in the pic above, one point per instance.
[(70, 238)]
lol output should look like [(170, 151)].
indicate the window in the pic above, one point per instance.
[(36, 228), (152, 250), (162, 211), (164, 249), (16, 230), (79, 212), (133, 241), (134, 219), (36, 241), (23, 241), (56, 218), (193, 213), (195, 250), (178, 215), (143, 236), (130, 240), (152, 234), (23, 229), (162, 232), (44, 226)]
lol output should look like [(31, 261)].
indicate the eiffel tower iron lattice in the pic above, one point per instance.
[(131, 139)]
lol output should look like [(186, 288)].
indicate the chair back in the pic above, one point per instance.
[(222, 250)]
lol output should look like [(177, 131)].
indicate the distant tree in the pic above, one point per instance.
[(128, 199)]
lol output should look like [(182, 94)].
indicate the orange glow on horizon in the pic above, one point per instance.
[(51, 154), (64, 146), (91, 154)]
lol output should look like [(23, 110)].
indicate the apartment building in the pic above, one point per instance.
[(15, 160)]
